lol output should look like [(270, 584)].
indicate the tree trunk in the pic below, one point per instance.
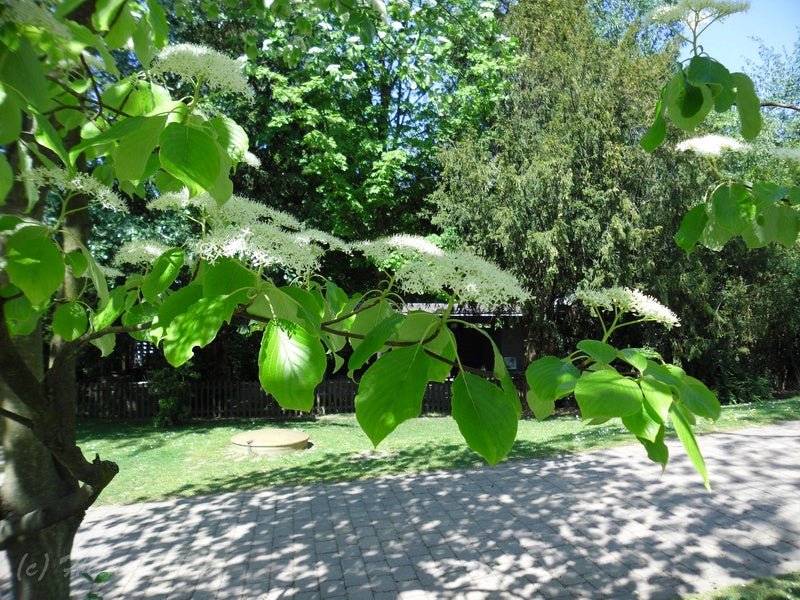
[(39, 562)]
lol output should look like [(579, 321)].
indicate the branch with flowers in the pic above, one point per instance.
[(647, 400), (761, 213)]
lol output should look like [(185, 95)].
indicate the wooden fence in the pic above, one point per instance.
[(231, 399)]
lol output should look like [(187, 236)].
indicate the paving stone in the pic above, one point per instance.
[(600, 525)]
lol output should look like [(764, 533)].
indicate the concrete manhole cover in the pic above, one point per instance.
[(270, 442)]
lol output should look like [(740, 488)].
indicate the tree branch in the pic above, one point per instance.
[(15, 417), (780, 105), (12, 528)]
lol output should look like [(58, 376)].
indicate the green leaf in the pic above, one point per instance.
[(22, 73), (49, 138), (654, 136), (699, 399), (418, 326), (34, 263), (732, 207), (374, 341), (76, 262), (657, 451), (96, 275), (549, 378), (272, 303), (70, 321), (336, 297), (634, 357), (391, 391), (10, 117), (143, 45), (606, 393), (105, 12), (598, 351), (197, 326), (134, 150), (691, 229), (291, 363), (21, 316), (687, 105), (111, 311), (119, 130), (175, 304), (139, 314), (105, 344), (231, 137), (6, 178), (444, 345), (122, 28), (311, 305), (158, 22), (642, 425), (368, 319), (657, 395), (102, 577), (191, 156), (775, 223), (748, 105), (703, 70), (229, 277), (165, 269), (485, 416), (794, 195), (686, 436)]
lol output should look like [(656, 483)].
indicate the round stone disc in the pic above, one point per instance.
[(270, 441)]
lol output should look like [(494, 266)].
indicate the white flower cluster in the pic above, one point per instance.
[(627, 300), (262, 245), (80, 183), (27, 12), (194, 63), (139, 252), (786, 153), (251, 231), (712, 145), (426, 268), (697, 12)]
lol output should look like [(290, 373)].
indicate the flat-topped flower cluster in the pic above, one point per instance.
[(626, 300), (423, 268)]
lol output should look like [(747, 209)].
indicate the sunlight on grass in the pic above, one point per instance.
[(780, 587), (198, 459)]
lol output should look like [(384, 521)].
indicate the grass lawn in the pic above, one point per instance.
[(780, 587), (197, 459)]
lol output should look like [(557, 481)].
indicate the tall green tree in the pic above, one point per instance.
[(557, 190)]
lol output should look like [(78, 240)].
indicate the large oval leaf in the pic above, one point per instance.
[(165, 270), (291, 363), (197, 326), (549, 378), (391, 391), (485, 416), (34, 263), (191, 156), (607, 394), (70, 320)]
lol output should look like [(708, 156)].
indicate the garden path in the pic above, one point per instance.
[(602, 524)]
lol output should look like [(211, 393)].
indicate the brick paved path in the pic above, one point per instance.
[(603, 524)]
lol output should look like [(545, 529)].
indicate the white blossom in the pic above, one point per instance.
[(110, 272), (80, 183), (27, 12), (251, 160), (387, 249), (712, 145), (139, 252), (628, 300), (262, 245), (426, 268), (194, 63), (786, 153)]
